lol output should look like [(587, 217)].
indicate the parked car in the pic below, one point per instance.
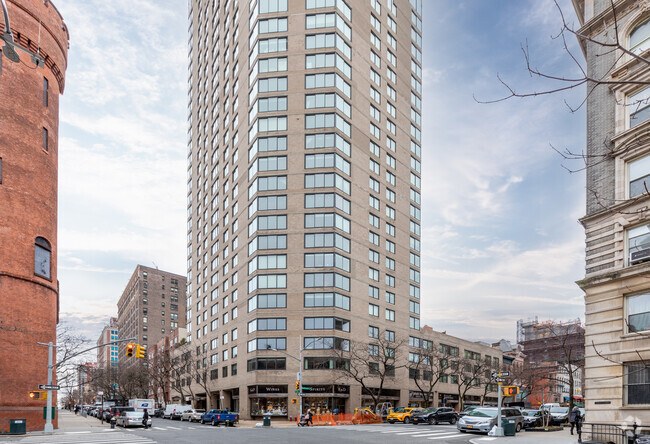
[(467, 409), (559, 415), (482, 419), (132, 419), (192, 415), (534, 418), (158, 413), (434, 415), (220, 416), (403, 414), (117, 411)]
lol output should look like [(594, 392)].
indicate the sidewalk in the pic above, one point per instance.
[(560, 437)]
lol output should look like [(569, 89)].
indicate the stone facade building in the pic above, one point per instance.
[(616, 284), (29, 151)]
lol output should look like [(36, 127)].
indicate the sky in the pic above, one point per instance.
[(501, 239)]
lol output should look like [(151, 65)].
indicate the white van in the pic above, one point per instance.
[(174, 411)]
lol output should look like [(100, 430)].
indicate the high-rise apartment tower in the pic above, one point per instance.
[(303, 185)]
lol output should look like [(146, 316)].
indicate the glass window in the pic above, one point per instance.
[(639, 243), (638, 106), (637, 383), (330, 299), (638, 313), (640, 37), (42, 258)]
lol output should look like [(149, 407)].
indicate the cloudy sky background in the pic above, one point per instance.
[(501, 239)]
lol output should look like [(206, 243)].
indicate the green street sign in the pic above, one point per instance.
[(306, 388), (297, 391)]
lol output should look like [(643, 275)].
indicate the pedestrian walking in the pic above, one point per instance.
[(145, 419), (576, 420), (310, 419)]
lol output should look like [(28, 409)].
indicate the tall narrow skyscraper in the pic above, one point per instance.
[(303, 192)]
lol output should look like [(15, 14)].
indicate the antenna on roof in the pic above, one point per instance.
[(154, 264)]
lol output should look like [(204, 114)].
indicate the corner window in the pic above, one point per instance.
[(42, 258), (638, 105), (638, 244), (638, 312), (639, 176), (640, 37)]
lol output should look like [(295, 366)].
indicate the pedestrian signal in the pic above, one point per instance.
[(293, 400), (38, 395), (510, 390)]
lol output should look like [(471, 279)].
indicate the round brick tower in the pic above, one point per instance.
[(29, 124)]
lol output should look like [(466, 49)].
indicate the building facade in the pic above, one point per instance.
[(29, 122), (108, 356), (616, 285), (85, 373), (151, 306), (303, 185)]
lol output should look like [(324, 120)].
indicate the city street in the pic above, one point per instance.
[(80, 430)]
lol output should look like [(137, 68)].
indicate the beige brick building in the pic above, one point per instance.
[(151, 306), (303, 192), (616, 284)]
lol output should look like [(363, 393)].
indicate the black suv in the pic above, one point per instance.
[(434, 415)]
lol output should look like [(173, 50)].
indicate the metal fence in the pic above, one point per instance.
[(610, 433)]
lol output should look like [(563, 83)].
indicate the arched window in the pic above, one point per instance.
[(640, 37), (42, 257)]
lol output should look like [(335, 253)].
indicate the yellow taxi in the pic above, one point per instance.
[(402, 414)]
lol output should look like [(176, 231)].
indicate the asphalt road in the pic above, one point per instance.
[(165, 431)]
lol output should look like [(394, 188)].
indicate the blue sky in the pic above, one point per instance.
[(501, 239)]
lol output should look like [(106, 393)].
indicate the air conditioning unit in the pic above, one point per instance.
[(639, 256)]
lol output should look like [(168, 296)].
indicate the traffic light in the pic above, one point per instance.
[(140, 351), (38, 395), (297, 385), (293, 400), (510, 390), (129, 350)]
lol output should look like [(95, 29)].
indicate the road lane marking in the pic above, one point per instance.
[(452, 436)]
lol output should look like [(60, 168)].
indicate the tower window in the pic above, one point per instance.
[(46, 86), (45, 137), (42, 256)]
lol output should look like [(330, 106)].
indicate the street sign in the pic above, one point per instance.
[(48, 387), (222, 397), (504, 374), (500, 379), (100, 393), (494, 375)]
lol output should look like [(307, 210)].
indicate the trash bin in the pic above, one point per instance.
[(17, 426), (509, 427), (267, 420)]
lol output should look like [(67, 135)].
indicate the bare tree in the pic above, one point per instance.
[(430, 367), (372, 362), (470, 372), (68, 344)]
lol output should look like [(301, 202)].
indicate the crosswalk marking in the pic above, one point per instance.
[(448, 436), (87, 438)]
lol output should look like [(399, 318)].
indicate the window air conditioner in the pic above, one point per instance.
[(639, 256)]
